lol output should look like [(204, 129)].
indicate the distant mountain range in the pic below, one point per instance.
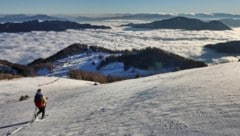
[(126, 17), (182, 23), (150, 17), (23, 18), (228, 19), (231, 22), (210, 16), (35, 25), (154, 17)]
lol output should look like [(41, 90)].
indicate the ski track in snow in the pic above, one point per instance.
[(26, 47), (197, 102)]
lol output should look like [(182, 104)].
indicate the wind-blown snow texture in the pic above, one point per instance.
[(201, 102), (25, 47)]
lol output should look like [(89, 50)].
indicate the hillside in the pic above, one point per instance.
[(201, 101), (35, 25), (182, 23), (231, 47), (7, 67)]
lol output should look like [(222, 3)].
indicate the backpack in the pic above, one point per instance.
[(38, 100)]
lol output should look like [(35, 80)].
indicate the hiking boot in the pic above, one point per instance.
[(35, 115)]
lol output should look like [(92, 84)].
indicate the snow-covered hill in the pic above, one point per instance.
[(201, 101), (89, 62)]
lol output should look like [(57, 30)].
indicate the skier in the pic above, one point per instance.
[(40, 102)]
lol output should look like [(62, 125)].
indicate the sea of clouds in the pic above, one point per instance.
[(26, 47)]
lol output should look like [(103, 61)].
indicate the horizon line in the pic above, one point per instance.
[(159, 13)]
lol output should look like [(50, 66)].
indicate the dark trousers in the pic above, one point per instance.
[(41, 110)]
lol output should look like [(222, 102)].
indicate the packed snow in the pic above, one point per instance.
[(202, 102), (26, 47)]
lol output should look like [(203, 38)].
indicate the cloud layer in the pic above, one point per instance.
[(25, 47)]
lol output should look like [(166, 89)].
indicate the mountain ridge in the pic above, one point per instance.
[(182, 23), (35, 25), (24, 18)]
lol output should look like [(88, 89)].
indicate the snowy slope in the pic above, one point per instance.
[(89, 62), (201, 101)]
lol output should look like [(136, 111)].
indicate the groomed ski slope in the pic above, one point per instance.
[(196, 102)]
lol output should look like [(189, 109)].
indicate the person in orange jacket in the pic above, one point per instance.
[(40, 102)]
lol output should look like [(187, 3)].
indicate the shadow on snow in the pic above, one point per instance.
[(13, 125)]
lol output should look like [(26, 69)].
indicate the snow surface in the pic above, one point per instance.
[(199, 102), (26, 47)]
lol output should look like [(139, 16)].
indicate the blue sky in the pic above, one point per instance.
[(118, 6)]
